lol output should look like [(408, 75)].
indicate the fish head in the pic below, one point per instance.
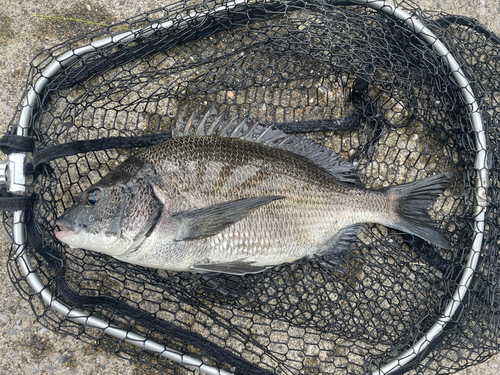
[(112, 217)]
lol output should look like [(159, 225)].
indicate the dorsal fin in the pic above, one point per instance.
[(322, 156), (210, 115), (269, 135)]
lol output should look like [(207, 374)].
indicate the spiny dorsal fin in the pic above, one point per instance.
[(200, 127), (269, 135), (195, 116)]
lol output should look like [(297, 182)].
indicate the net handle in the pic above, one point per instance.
[(481, 183)]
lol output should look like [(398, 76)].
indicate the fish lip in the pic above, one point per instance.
[(76, 228)]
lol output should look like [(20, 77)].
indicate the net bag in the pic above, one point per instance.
[(400, 93)]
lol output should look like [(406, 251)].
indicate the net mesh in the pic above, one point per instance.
[(393, 110)]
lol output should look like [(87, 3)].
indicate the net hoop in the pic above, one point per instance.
[(19, 232)]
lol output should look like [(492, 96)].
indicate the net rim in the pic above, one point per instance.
[(481, 182), (19, 233)]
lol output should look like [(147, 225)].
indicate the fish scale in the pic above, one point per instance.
[(238, 197)]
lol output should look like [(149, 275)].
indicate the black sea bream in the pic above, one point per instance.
[(237, 197)]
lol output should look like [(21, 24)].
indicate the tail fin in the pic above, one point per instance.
[(413, 200)]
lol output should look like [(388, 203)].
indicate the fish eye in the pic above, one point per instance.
[(93, 197)]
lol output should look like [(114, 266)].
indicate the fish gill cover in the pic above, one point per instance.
[(353, 79)]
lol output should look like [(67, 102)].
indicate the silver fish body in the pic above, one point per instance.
[(237, 197)]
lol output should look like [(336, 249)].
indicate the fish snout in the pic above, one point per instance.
[(71, 225)]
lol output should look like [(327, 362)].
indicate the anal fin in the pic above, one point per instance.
[(341, 245)]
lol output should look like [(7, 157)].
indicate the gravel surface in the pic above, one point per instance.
[(28, 347)]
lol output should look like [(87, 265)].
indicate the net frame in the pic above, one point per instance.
[(481, 166)]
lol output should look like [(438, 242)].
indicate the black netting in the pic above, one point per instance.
[(392, 108)]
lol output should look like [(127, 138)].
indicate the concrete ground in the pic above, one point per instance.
[(27, 347)]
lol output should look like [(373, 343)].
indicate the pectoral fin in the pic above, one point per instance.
[(208, 221), (239, 267)]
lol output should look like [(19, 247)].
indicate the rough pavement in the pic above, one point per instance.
[(27, 347)]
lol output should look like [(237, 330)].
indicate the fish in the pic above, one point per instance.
[(237, 197)]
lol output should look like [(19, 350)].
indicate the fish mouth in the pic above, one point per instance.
[(74, 228)]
